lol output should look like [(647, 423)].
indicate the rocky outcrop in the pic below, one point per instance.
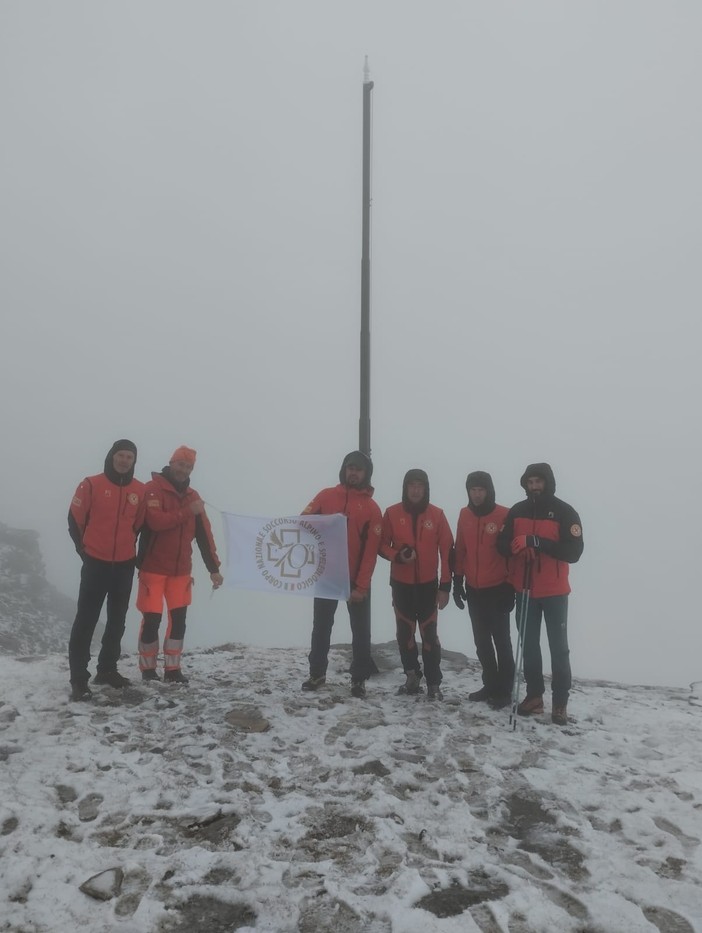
[(34, 617)]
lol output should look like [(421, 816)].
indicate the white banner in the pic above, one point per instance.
[(301, 555)]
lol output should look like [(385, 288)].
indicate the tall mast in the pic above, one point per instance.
[(364, 439)]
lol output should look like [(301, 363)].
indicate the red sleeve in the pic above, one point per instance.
[(445, 545), (460, 559), (386, 548), (370, 550), (78, 513), (157, 519)]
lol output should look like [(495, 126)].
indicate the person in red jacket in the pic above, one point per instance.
[(173, 516), (353, 497), (416, 538), (103, 524), (543, 535), (489, 595)]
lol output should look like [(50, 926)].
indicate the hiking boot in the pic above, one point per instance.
[(150, 675), (434, 692), (358, 689), (499, 701), (314, 683), (531, 706), (111, 679), (175, 677), (559, 715), (80, 693), (480, 696), (411, 684)]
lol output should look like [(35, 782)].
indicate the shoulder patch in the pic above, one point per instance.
[(77, 502), (378, 530), (576, 531)]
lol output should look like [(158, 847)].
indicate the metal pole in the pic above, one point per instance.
[(364, 440)]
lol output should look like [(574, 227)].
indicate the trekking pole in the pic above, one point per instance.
[(521, 627)]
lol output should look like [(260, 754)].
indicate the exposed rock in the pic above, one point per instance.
[(448, 902), (34, 617), (247, 719)]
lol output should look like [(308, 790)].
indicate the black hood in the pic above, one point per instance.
[(545, 472), (360, 459), (481, 478), (415, 476), (120, 479)]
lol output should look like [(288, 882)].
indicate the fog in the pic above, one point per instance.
[(180, 264)]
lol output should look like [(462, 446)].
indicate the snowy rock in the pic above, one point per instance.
[(247, 719), (105, 885)]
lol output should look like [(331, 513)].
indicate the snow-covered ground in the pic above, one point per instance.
[(389, 814)]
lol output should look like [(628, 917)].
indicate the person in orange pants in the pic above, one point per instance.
[(173, 515)]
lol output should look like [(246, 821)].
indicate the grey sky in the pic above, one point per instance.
[(180, 263)]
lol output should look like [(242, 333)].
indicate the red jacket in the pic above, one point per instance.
[(559, 531), (103, 518), (166, 545), (477, 557), (429, 536), (364, 527)]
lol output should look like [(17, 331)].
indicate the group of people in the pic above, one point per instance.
[(499, 556), (107, 514)]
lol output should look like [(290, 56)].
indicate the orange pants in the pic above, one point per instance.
[(154, 589)]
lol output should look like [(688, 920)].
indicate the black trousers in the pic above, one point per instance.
[(415, 605), (489, 610), (99, 579), (322, 623)]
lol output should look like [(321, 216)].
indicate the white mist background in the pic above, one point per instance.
[(180, 263)]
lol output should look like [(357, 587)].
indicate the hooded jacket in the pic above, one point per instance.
[(477, 558), (558, 529), (169, 528), (364, 519), (103, 517), (422, 527)]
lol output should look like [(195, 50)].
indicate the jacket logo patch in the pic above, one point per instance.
[(491, 528), (108, 493), (133, 498), (428, 523), (77, 501), (378, 530), (154, 504), (576, 531)]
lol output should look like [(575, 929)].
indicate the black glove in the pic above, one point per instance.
[(459, 593)]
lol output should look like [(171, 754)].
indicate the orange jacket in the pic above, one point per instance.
[(103, 518), (364, 527), (166, 545), (429, 535), (477, 557)]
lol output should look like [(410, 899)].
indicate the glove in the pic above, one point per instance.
[(459, 593), (522, 542)]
